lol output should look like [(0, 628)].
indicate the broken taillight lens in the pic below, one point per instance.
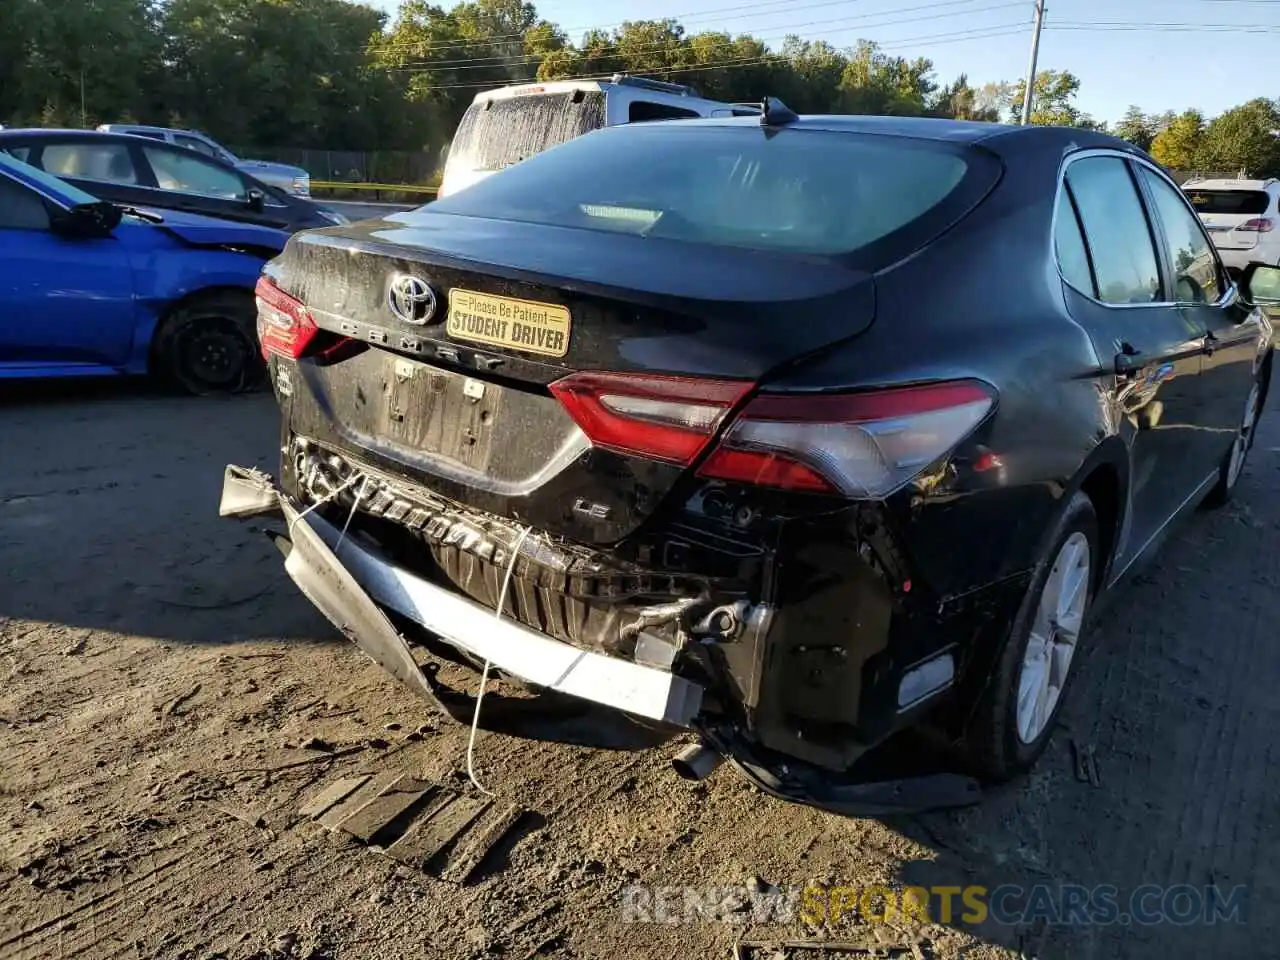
[(864, 445), (285, 326), (656, 417)]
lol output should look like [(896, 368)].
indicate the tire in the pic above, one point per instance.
[(1232, 466), (208, 345), (1001, 742)]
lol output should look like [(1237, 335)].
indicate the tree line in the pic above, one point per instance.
[(339, 75)]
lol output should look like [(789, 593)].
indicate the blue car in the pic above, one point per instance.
[(88, 288)]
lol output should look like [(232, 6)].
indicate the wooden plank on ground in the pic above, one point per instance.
[(334, 817), (331, 796), (420, 845), (386, 817), (483, 837)]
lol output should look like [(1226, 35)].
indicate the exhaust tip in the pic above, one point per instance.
[(696, 762)]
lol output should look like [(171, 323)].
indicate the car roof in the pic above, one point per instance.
[(1003, 137), (121, 127), (1229, 184), (34, 133)]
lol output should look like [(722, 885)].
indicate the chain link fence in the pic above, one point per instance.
[(420, 167)]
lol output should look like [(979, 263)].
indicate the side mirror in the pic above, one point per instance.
[(1260, 285), (257, 200), (87, 221)]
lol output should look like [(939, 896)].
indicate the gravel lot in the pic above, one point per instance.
[(159, 669)]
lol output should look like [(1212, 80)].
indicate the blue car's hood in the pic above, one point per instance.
[(210, 231)]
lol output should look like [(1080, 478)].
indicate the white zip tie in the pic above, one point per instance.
[(354, 506), (484, 674), (325, 499)]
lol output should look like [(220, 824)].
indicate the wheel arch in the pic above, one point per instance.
[(1104, 478), (186, 300)]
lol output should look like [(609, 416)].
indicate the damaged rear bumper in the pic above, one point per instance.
[(347, 582)]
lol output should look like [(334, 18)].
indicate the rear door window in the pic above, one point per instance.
[(1115, 226), (1244, 203), (183, 171), (196, 144), (1195, 265), (110, 162), (495, 134), (805, 191)]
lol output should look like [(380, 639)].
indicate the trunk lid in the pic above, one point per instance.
[(455, 397)]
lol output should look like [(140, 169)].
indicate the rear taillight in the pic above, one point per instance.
[(857, 445), (285, 326), (656, 417), (1257, 225)]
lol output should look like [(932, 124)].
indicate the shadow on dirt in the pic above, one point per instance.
[(109, 515), (1167, 850)]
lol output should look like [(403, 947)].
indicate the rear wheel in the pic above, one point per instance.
[(1019, 707), (208, 345)]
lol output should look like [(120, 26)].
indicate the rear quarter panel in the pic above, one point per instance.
[(985, 301)]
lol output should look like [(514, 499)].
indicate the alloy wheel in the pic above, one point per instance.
[(1055, 633), (1244, 438)]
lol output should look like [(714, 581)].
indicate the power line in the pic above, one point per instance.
[(681, 20), (611, 49), (984, 33)]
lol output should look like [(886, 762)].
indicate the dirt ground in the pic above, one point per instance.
[(159, 670)]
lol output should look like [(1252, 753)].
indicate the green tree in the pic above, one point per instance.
[(280, 72), (77, 61), (1137, 127), (1178, 145), (1052, 102), (1243, 138), (875, 83), (960, 101)]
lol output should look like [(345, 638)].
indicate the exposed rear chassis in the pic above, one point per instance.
[(348, 592)]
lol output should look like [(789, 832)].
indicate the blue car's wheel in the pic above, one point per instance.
[(209, 345)]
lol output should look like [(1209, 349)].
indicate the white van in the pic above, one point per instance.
[(504, 126)]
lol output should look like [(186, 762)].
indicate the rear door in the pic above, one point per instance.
[(109, 169), (1234, 218), (194, 183), (1151, 353), (1230, 330), (62, 301)]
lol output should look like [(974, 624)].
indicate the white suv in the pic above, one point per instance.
[(510, 124), (1242, 217)]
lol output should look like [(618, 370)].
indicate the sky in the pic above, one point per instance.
[(1146, 52)]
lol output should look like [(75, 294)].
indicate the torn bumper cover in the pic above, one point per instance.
[(347, 581)]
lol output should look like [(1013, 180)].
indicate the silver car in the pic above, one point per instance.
[(291, 179)]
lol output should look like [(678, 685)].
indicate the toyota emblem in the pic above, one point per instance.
[(411, 299)]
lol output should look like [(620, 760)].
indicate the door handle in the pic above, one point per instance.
[(1128, 361), (1209, 343)]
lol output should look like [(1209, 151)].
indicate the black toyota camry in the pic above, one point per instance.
[(794, 431)]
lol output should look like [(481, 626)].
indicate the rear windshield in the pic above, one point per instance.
[(804, 191), (1243, 202), (494, 134)]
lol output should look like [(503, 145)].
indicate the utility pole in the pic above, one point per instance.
[(1028, 92)]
